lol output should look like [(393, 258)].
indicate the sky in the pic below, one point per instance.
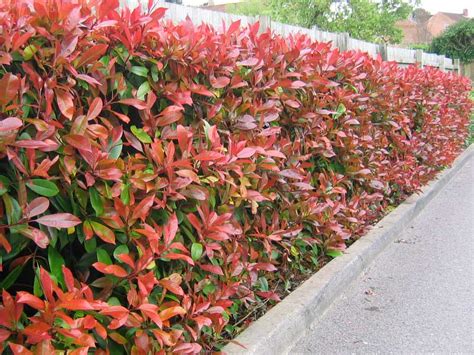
[(455, 6)]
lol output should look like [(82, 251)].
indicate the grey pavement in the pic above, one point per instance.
[(418, 294)]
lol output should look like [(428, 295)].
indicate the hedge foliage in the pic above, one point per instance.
[(457, 41), (159, 183)]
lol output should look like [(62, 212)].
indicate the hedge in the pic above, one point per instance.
[(162, 184)]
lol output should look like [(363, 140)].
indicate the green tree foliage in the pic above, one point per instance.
[(250, 8), (457, 41), (364, 19)]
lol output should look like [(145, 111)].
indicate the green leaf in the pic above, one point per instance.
[(29, 52), (334, 253), (56, 262), (37, 289), (81, 196), (43, 187), (340, 111), (263, 284), (143, 90), (96, 201), (294, 251), (121, 249), (116, 150), (11, 277), (90, 245), (12, 209), (196, 251), (154, 73), (114, 301), (141, 134), (103, 256), (4, 184), (125, 195), (140, 71), (209, 288)]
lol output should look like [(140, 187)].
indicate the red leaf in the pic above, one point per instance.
[(208, 155), (202, 321), (37, 206), (111, 269), (65, 103), (292, 103), (95, 108), (246, 153), (9, 86), (169, 115), (269, 295), (19, 349), (88, 79), (116, 312), (151, 311), (215, 269), (298, 84), (5, 243), (170, 229), (59, 220), (142, 209), (103, 232), (36, 235), (265, 266), (219, 82), (10, 123), (46, 284), (250, 62), (4, 334), (68, 278), (175, 256), (79, 142), (234, 26), (76, 305), (47, 145), (91, 55), (172, 286), (138, 104), (30, 300), (171, 312)]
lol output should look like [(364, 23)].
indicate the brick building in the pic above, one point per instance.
[(422, 27)]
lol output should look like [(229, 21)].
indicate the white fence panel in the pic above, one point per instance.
[(286, 30), (364, 46), (448, 63), (401, 55), (323, 36), (430, 59)]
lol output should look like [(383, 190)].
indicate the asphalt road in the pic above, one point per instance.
[(418, 294)]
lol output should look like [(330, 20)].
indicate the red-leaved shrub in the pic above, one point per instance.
[(161, 182)]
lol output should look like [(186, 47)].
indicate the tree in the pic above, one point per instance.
[(364, 19), (457, 41), (250, 8)]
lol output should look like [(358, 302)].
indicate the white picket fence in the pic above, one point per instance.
[(343, 41)]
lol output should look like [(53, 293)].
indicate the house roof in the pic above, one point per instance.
[(454, 17)]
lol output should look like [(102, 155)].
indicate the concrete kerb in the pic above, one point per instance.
[(278, 330)]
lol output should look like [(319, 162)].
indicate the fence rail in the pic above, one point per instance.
[(403, 56)]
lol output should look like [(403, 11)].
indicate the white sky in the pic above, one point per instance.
[(455, 6)]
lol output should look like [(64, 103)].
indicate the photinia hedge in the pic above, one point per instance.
[(162, 184)]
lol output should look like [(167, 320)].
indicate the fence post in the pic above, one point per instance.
[(343, 40), (419, 57), (265, 23), (315, 33), (383, 51), (441, 62), (457, 66)]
